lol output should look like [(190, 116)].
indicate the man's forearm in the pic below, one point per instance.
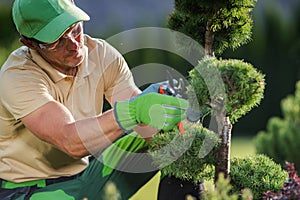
[(99, 132), (96, 133)]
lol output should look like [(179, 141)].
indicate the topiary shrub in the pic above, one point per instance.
[(258, 173), (177, 154), (237, 82), (290, 188), (223, 89), (283, 134), (240, 85), (229, 21)]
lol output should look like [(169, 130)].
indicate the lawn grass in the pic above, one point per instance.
[(242, 146)]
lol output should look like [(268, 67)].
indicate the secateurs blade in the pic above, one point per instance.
[(178, 88)]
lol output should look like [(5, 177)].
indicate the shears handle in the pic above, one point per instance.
[(163, 89)]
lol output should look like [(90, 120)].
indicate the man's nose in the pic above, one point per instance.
[(72, 43)]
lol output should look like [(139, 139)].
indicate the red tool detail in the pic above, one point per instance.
[(180, 127), (161, 90)]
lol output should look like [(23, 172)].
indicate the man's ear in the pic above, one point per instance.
[(28, 43)]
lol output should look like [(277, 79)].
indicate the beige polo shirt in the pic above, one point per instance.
[(27, 82)]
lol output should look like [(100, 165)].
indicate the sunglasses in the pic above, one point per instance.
[(75, 32)]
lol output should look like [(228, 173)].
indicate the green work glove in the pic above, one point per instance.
[(160, 111)]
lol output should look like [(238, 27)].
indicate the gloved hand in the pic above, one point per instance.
[(159, 111)]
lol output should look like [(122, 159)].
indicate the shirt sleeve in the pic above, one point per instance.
[(22, 91), (119, 82)]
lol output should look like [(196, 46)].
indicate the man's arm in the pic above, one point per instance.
[(53, 123)]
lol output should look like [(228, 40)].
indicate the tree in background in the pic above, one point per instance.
[(281, 140), (275, 51), (8, 34)]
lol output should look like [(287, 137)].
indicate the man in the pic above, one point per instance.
[(51, 101)]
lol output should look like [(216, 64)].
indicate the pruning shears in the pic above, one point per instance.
[(174, 88)]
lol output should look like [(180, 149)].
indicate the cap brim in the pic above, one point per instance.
[(53, 30)]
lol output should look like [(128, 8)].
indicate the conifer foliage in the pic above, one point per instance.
[(290, 188), (225, 90), (243, 86), (283, 134), (224, 23)]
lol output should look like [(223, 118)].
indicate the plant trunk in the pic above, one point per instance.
[(209, 39), (223, 154)]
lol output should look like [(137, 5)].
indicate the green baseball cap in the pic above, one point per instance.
[(46, 20)]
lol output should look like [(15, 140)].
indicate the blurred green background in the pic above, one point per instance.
[(274, 50)]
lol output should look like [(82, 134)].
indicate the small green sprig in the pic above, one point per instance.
[(180, 154)]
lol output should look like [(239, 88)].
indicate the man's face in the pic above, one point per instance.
[(67, 51)]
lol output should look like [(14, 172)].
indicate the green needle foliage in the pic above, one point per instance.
[(258, 173), (178, 154), (281, 140), (238, 83), (219, 88), (230, 21), (223, 191)]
